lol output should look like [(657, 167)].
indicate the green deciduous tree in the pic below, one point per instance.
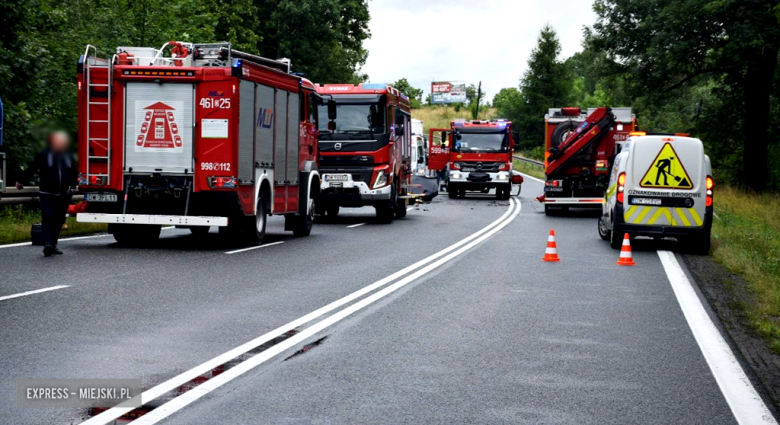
[(414, 94), (545, 84), (323, 38), (668, 47)]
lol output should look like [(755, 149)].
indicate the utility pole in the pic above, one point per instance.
[(479, 95)]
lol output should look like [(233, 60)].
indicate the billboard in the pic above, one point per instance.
[(448, 92)]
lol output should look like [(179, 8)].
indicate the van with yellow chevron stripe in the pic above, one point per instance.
[(660, 186)]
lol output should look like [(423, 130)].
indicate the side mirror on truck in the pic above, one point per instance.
[(332, 109)]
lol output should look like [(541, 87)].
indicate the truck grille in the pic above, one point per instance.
[(488, 167)]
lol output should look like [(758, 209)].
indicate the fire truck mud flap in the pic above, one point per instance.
[(160, 220)]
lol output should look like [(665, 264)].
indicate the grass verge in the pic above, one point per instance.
[(15, 225), (746, 241), (530, 169)]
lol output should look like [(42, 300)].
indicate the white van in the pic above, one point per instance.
[(660, 185)]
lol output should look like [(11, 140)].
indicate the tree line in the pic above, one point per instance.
[(41, 40), (703, 67)]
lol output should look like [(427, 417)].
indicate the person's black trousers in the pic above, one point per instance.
[(53, 210)]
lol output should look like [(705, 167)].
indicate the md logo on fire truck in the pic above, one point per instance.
[(156, 126)]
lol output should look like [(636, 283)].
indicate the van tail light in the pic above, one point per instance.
[(216, 182), (621, 187), (710, 185)]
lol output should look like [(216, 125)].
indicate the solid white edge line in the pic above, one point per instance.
[(187, 398), (74, 238), (254, 247), (355, 225), (37, 291), (173, 383), (532, 177), (409, 209), (744, 400)]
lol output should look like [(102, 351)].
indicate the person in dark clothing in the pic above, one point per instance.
[(59, 177)]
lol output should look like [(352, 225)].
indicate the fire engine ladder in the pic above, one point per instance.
[(91, 62), (592, 129)]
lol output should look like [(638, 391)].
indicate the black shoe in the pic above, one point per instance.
[(57, 250), (48, 250)]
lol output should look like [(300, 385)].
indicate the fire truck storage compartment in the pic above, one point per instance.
[(264, 142), (159, 127), (286, 116), (246, 120)]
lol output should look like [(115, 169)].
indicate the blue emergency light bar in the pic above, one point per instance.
[(374, 86)]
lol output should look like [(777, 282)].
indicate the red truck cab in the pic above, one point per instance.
[(477, 155), (365, 146)]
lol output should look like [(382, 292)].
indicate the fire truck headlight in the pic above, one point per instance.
[(456, 175), (381, 179), (503, 177)]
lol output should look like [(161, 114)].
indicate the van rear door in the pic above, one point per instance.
[(666, 180)]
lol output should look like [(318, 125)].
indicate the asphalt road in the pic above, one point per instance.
[(484, 333)]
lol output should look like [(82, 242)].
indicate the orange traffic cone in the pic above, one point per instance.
[(551, 253), (625, 253)]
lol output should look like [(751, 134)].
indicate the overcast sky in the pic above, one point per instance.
[(466, 40)]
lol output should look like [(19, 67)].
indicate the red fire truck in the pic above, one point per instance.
[(580, 149), (365, 146), (478, 155), (195, 135)]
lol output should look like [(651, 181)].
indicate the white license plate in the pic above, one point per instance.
[(100, 197), (336, 177), (646, 201)]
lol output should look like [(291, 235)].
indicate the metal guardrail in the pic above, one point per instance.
[(530, 161), (28, 195)]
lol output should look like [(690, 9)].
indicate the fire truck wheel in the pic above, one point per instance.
[(452, 192), (400, 209), (304, 223), (254, 231), (696, 245), (461, 193), (199, 230), (604, 233), (562, 131)]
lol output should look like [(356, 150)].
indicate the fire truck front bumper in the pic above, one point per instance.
[(159, 220), (479, 179), (353, 191)]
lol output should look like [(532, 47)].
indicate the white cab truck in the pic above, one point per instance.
[(660, 186)]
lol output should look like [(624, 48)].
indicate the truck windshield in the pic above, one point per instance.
[(354, 118), (482, 142)]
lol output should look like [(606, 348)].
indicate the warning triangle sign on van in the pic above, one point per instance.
[(667, 171)]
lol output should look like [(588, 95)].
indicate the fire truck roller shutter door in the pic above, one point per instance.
[(293, 141), (561, 132), (246, 133), (280, 150), (264, 125), (166, 149)]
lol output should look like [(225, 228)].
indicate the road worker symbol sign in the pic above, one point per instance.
[(667, 171), (156, 126)]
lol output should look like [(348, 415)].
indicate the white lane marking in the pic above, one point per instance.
[(355, 225), (410, 208), (37, 291), (532, 177), (187, 398), (254, 247), (745, 403), (181, 379), (75, 238)]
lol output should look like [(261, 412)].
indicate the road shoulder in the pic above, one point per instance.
[(725, 292)]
